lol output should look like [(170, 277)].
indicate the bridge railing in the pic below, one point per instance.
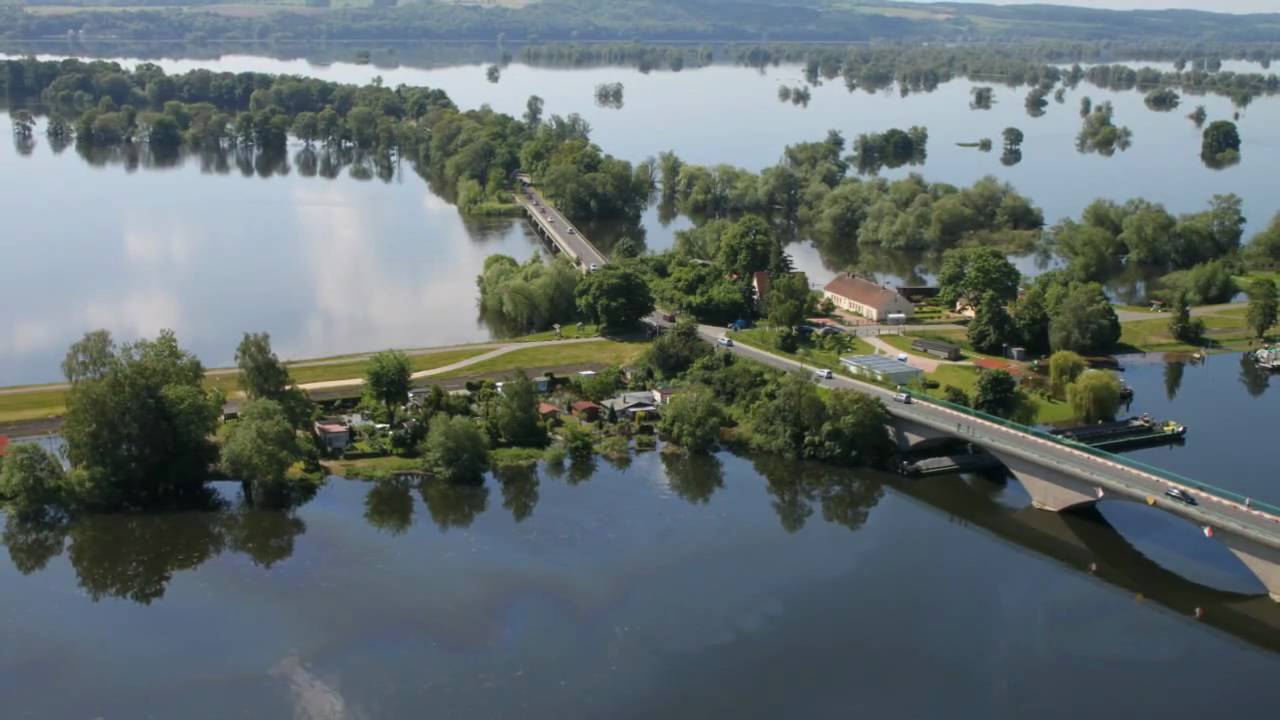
[(1111, 457)]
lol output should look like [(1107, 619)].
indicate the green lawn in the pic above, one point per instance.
[(376, 468), (32, 405), (567, 332), (604, 352), (965, 377), (1226, 330), (808, 352)]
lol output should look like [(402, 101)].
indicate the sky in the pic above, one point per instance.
[(1234, 6)]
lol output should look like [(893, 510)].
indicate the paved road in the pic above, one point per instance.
[(1112, 476), (565, 235)]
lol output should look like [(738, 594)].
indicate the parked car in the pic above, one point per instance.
[(902, 357), (904, 398), (668, 317), (593, 267), (727, 342), (822, 374), (1181, 496)]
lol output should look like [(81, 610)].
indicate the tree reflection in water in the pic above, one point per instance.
[(846, 496), (1256, 380), (135, 556), (388, 506), (519, 489), (454, 505), (693, 477)]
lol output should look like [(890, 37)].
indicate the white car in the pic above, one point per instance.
[(593, 267), (904, 398), (902, 357), (572, 231), (822, 374), (727, 342)]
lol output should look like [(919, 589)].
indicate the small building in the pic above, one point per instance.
[(936, 348), (585, 410), (548, 412), (631, 404), (542, 384), (966, 307), (334, 435), (863, 297), (662, 396), (760, 285), (1018, 353), (881, 368)]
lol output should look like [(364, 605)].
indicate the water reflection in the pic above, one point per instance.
[(693, 477), (454, 505), (845, 496), (136, 556), (519, 489), (1256, 380), (388, 505)]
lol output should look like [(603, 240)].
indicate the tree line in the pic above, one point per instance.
[(101, 104)]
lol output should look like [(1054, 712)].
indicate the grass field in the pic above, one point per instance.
[(765, 339), (965, 377), (1226, 330), (604, 352), (566, 333), (41, 403)]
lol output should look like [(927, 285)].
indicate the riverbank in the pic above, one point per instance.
[(36, 409)]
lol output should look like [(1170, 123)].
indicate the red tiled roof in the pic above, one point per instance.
[(860, 290), (545, 408), (584, 405), (331, 427)]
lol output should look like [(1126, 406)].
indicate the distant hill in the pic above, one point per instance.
[(614, 21)]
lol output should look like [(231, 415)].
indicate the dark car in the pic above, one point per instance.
[(1180, 495)]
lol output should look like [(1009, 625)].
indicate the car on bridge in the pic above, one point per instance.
[(572, 231), (1180, 495), (904, 398), (822, 374), (727, 342)]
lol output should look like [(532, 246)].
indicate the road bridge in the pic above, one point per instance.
[(1060, 474), (556, 228)]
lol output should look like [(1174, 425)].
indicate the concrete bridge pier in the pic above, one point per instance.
[(1049, 489), (1262, 560), (907, 434)]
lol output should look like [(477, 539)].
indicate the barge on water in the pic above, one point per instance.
[(1121, 434), (963, 462)]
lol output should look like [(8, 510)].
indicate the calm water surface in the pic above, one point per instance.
[(662, 589)]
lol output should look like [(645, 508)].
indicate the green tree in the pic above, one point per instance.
[(517, 410), (1064, 367), (746, 247), (676, 350), (578, 442), (973, 272), (1220, 144), (387, 377), (263, 376), (533, 111), (955, 395), (991, 330), (1263, 308), (138, 422), (1182, 326), (1095, 396), (615, 296), (1013, 138), (32, 482), (789, 422), (261, 446), (856, 431), (996, 393), (788, 300), (455, 450), (1031, 321), (1083, 320), (692, 419)]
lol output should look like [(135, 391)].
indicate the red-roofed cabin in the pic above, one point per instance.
[(586, 410)]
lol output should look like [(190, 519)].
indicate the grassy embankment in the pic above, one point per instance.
[(37, 402), (807, 352), (1225, 329)]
